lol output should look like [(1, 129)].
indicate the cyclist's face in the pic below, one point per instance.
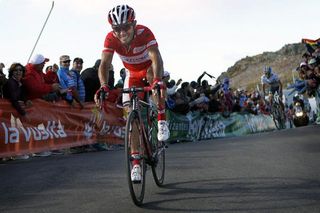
[(124, 32)]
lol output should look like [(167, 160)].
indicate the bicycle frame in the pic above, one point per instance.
[(136, 105)]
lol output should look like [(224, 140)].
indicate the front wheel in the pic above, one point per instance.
[(133, 138), (158, 168)]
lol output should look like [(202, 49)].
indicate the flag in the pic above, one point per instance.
[(311, 42)]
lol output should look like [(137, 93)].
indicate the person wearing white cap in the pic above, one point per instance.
[(38, 59), (172, 88), (34, 80)]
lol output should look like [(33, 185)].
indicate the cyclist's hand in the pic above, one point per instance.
[(101, 95), (158, 86)]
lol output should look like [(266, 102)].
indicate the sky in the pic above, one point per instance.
[(193, 35)]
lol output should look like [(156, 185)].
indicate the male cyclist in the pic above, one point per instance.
[(138, 50), (270, 78)]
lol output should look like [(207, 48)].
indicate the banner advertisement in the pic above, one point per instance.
[(50, 126), (195, 126)]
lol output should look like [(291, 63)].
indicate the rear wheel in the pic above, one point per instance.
[(134, 133), (158, 150), (278, 117)]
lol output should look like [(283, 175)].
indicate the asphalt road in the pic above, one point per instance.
[(268, 172)]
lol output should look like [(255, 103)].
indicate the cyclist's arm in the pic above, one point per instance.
[(157, 63), (106, 59)]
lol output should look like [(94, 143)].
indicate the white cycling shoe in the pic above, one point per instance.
[(136, 174), (163, 131)]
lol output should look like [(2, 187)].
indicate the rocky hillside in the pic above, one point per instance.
[(246, 73)]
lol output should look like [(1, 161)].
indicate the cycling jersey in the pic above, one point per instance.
[(135, 58), (273, 80)]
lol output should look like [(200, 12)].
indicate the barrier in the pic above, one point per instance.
[(51, 126), (196, 126)]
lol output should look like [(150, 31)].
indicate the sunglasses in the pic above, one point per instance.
[(66, 62), (123, 27)]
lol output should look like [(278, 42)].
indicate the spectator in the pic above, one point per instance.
[(76, 68), (3, 79), (123, 74), (34, 80), (193, 89), (171, 89), (51, 74), (91, 81), (111, 77), (182, 99), (67, 81), (13, 89)]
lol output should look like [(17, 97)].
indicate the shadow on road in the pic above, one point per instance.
[(243, 195)]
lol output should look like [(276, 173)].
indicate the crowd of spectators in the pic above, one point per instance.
[(54, 83), (60, 82), (202, 96), (308, 71)]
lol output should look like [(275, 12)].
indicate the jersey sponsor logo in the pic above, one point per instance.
[(138, 59), (153, 42), (108, 50), (139, 49), (139, 31)]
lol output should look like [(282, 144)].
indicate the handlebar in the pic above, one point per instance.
[(136, 89), (141, 89)]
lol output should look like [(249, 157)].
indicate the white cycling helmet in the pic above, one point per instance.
[(121, 14)]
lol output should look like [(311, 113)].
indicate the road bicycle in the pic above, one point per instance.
[(141, 125), (277, 112)]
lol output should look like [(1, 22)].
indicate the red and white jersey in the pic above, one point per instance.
[(136, 57)]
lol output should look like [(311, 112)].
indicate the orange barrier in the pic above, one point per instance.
[(50, 126)]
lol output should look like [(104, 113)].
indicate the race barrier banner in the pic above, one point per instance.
[(195, 126), (51, 126)]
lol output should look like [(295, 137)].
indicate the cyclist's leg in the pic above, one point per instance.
[(159, 100), (133, 79)]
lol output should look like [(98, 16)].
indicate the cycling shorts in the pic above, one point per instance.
[(134, 78)]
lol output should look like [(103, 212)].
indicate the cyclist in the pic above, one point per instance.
[(270, 78), (138, 50)]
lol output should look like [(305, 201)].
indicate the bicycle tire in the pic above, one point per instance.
[(275, 116), (158, 150), (278, 118), (137, 190)]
